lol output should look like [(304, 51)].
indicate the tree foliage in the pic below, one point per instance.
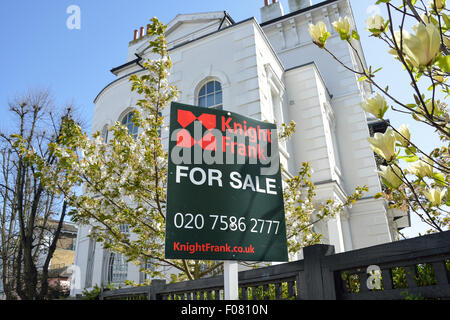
[(416, 180), (124, 178), (31, 216)]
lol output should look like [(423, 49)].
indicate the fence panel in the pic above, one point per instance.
[(407, 269)]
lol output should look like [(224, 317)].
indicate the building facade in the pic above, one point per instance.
[(268, 71)]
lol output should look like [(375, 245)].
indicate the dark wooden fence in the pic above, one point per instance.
[(416, 268)]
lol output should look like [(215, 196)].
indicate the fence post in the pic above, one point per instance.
[(155, 288), (318, 281)]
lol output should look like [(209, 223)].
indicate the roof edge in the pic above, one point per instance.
[(129, 63), (291, 14)]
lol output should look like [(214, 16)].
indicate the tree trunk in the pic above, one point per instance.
[(44, 279), (30, 274)]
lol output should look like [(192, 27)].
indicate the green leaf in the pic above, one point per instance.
[(355, 35), (411, 150), (439, 178), (411, 158), (446, 20), (378, 195), (378, 69), (418, 102), (362, 78), (443, 62)]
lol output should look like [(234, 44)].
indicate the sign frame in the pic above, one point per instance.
[(223, 210)]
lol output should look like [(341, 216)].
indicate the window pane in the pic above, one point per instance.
[(210, 101), (124, 228), (202, 102), (219, 97), (132, 129), (210, 94), (202, 91), (210, 87), (117, 269)]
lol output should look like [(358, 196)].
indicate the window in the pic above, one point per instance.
[(90, 263), (104, 133), (126, 121), (117, 268), (210, 95), (276, 108), (150, 266), (124, 228)]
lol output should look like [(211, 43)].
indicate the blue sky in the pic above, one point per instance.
[(39, 51)]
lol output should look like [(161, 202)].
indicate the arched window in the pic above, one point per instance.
[(126, 121), (105, 132), (210, 95), (117, 264), (117, 268)]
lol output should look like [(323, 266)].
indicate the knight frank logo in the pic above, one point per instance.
[(220, 137), (184, 138)]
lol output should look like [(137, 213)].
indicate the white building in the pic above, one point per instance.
[(269, 71)]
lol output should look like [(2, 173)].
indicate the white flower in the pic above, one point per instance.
[(422, 48), (404, 136), (375, 24), (384, 144), (319, 33), (440, 4), (392, 174), (435, 110), (376, 106), (342, 26), (421, 168), (435, 196)]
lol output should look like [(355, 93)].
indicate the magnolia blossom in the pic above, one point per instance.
[(420, 49), (342, 26), (425, 18), (433, 110), (421, 168), (435, 196), (319, 33), (440, 4), (391, 174), (376, 106), (404, 135), (384, 144), (446, 41), (375, 24)]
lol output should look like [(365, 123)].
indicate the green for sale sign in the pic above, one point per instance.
[(224, 193)]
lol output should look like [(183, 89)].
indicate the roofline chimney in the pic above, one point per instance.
[(271, 11)]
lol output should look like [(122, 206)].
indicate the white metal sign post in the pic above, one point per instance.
[(231, 283)]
